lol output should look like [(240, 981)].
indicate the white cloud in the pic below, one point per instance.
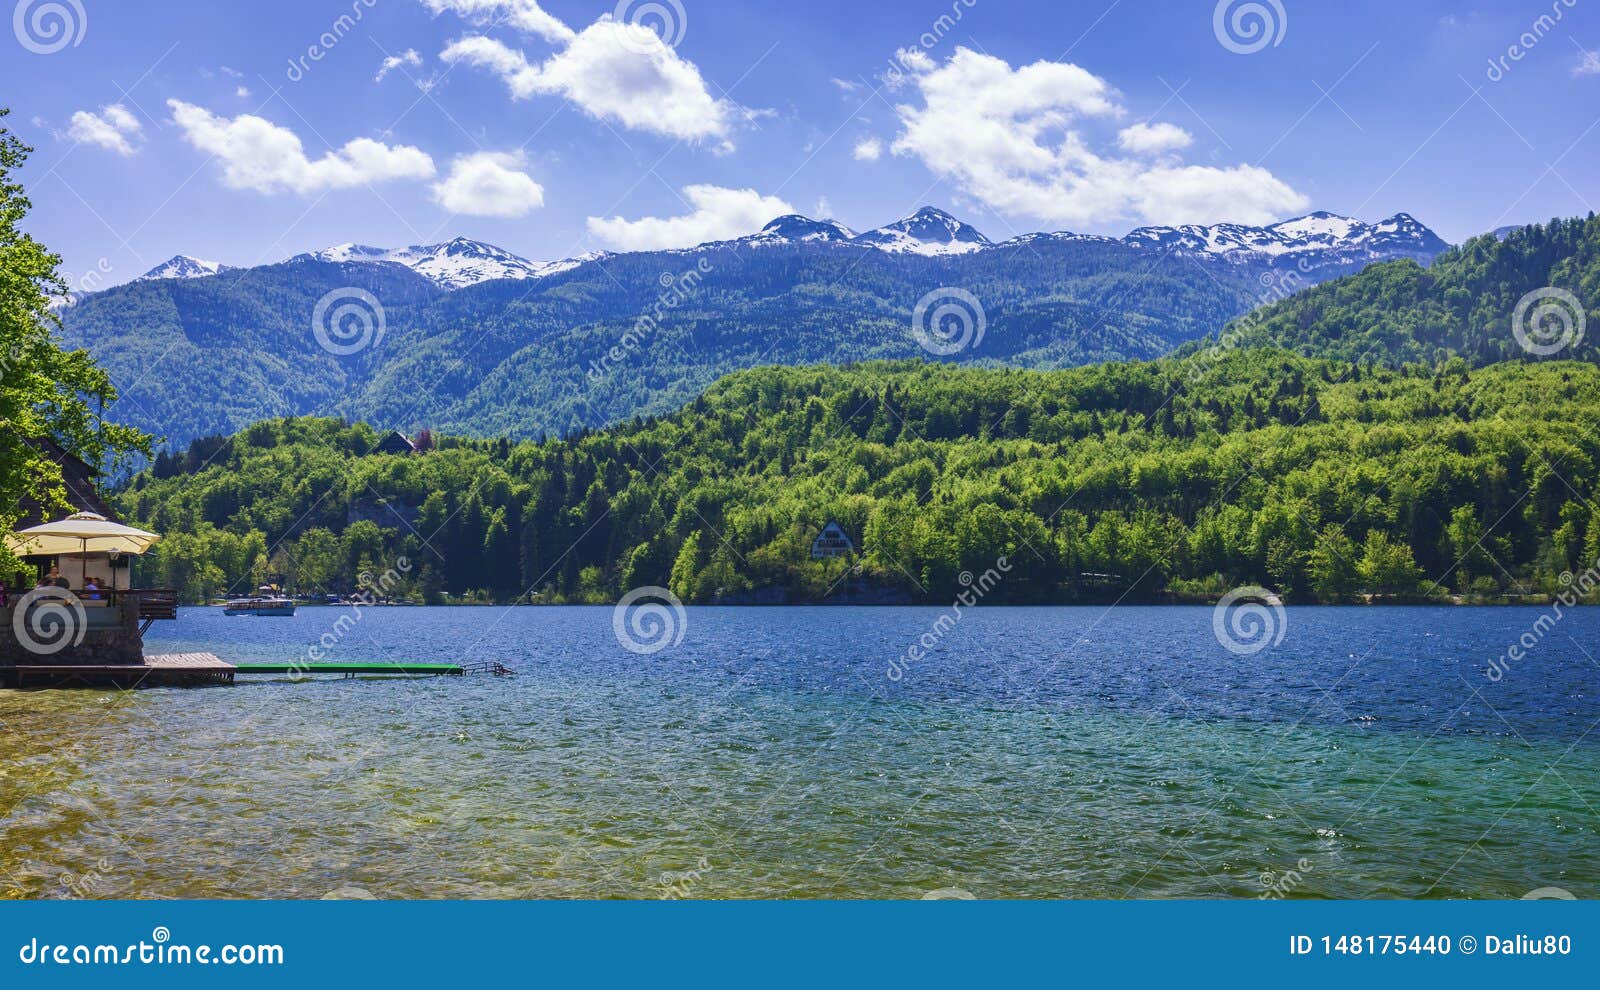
[(1152, 139), (845, 85), (243, 92), (258, 154), (1588, 64), (113, 128), (718, 214), (489, 184), (1016, 140), (408, 57), (868, 150), (612, 70), (525, 15), (914, 59)]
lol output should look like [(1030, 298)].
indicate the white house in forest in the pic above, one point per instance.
[(832, 542)]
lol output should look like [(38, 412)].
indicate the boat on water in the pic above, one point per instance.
[(268, 601), (258, 606)]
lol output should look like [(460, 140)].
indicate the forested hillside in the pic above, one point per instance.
[(520, 358), (1321, 479), (1464, 304)]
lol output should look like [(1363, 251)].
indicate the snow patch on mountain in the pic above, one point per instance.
[(452, 265), (1059, 237), (928, 232), (184, 266), (1340, 238), (795, 229)]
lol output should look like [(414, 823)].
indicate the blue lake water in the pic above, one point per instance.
[(1050, 752)]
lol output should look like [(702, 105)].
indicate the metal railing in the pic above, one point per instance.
[(154, 603), (487, 667)]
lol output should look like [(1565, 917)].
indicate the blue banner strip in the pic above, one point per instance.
[(809, 944)]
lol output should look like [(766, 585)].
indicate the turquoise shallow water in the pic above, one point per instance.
[(1032, 753)]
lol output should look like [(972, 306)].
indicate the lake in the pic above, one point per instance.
[(1038, 753)]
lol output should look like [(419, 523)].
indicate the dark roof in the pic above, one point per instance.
[(76, 476), (395, 443)]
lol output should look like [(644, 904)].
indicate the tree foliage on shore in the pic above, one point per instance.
[(45, 390), (1320, 479)]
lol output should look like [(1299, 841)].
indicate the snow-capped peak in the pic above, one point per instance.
[(454, 264), (1320, 226), (1323, 232), (793, 229), (928, 232), (183, 266), (341, 254)]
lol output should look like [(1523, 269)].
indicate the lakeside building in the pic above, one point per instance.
[(395, 443), (89, 614), (832, 542)]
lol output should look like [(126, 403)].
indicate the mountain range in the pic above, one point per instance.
[(1415, 419), (1318, 239), (468, 338)]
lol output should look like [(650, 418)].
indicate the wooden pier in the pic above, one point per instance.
[(190, 669), (165, 671)]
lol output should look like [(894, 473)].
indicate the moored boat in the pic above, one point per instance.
[(264, 604)]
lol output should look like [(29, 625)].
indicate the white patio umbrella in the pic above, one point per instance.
[(80, 533)]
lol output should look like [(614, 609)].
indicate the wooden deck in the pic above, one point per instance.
[(189, 669), (161, 671), (189, 661)]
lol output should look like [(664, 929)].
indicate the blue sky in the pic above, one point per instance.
[(562, 126)]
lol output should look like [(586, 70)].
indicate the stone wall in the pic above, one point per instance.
[(50, 634)]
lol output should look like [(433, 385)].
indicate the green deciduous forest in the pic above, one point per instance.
[(1323, 480), (1461, 305)]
